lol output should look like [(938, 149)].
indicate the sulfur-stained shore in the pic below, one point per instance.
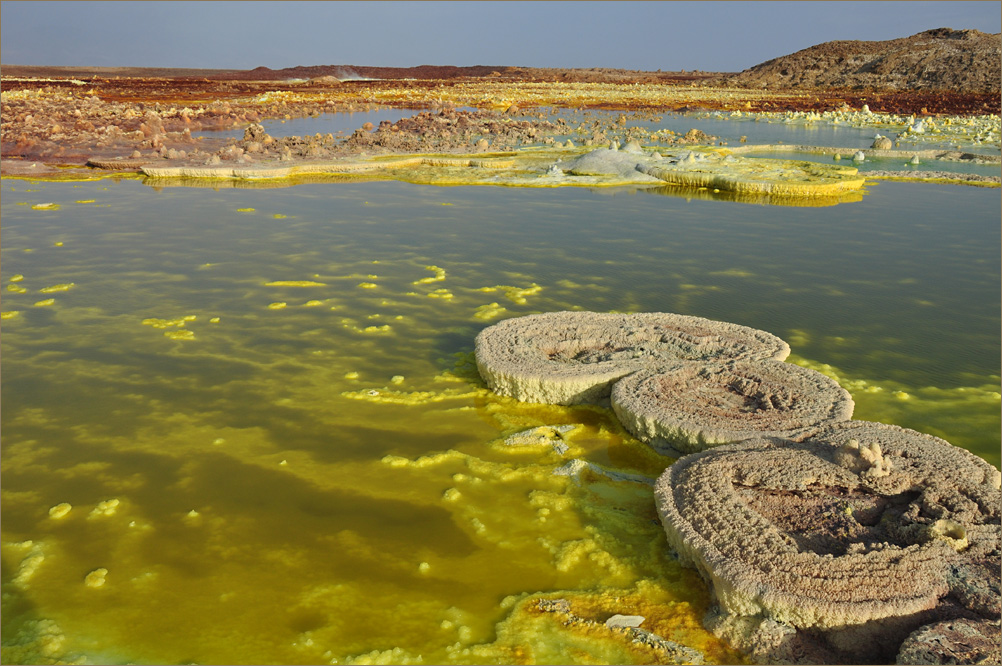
[(63, 123)]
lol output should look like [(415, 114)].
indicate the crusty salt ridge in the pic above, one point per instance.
[(930, 460), (574, 357), (691, 406), (720, 170), (802, 542)]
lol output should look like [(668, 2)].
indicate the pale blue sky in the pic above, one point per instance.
[(712, 36)]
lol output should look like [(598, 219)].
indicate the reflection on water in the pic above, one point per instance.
[(261, 407), (733, 130)]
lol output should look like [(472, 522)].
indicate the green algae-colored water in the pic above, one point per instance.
[(261, 410)]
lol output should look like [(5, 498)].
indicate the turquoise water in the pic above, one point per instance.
[(275, 388)]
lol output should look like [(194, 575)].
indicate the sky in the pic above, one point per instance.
[(726, 36)]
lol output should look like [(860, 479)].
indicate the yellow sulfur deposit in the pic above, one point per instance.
[(45, 303), (294, 283), (168, 323), (277, 305), (438, 277), (515, 294), (60, 510), (57, 287), (96, 578), (489, 311), (105, 508)]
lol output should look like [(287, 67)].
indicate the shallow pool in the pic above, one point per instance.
[(261, 410)]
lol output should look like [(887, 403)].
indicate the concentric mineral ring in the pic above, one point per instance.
[(758, 519), (574, 357), (690, 406)]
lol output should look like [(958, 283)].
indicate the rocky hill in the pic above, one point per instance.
[(942, 59)]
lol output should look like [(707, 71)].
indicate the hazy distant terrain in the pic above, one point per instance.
[(940, 59)]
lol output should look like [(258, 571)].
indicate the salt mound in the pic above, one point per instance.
[(691, 406), (574, 357), (607, 162), (813, 558)]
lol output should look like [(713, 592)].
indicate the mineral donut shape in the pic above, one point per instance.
[(764, 521), (691, 406), (574, 357)]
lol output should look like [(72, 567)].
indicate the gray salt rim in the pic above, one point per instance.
[(692, 406), (783, 531), (574, 357)]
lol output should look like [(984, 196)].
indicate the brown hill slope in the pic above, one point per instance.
[(940, 59)]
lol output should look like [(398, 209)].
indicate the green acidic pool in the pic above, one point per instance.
[(261, 408)]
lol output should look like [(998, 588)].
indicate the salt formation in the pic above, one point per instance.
[(814, 557), (717, 169), (824, 540), (574, 357), (882, 143), (691, 406)]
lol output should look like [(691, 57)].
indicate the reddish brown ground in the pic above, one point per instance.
[(65, 116)]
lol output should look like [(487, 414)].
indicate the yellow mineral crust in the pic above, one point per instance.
[(295, 283), (574, 357), (57, 287), (800, 536), (760, 176), (96, 578), (60, 510), (322, 168), (438, 277), (514, 294), (168, 323), (707, 168)]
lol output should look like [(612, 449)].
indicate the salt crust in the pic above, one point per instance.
[(691, 406), (803, 536), (574, 357)]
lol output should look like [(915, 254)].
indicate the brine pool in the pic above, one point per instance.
[(245, 425)]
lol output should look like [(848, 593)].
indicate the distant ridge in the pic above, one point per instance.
[(359, 71), (942, 59), (959, 61)]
